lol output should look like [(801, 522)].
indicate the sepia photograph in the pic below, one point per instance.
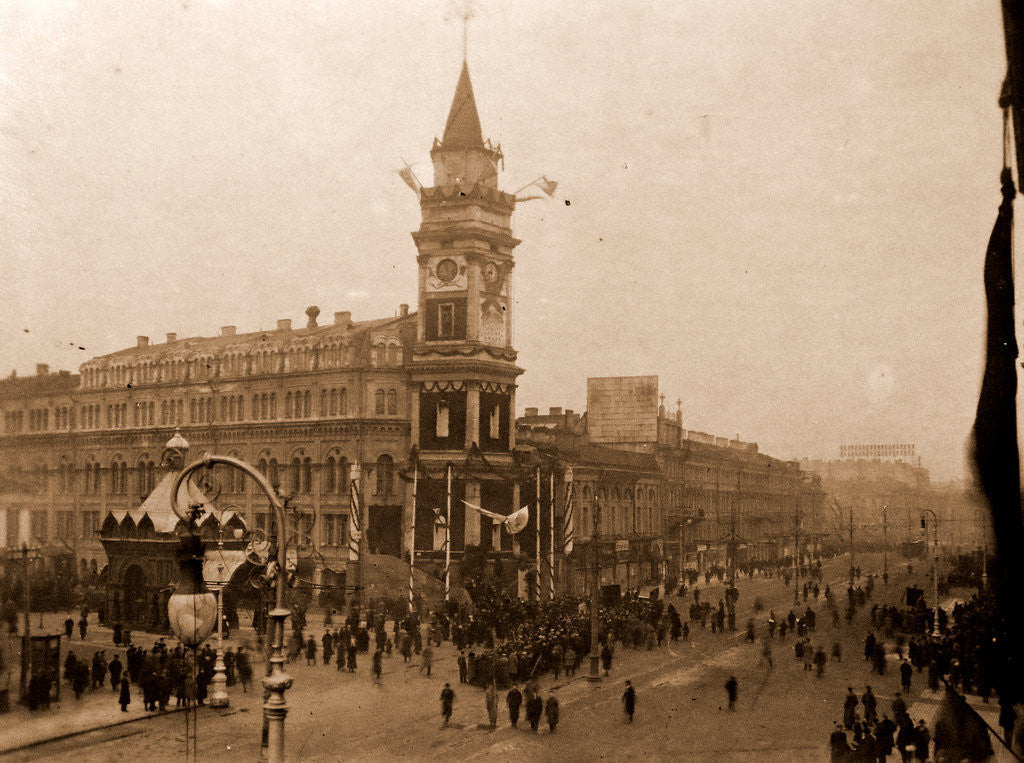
[(492, 380)]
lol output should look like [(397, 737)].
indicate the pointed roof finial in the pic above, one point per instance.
[(462, 130)]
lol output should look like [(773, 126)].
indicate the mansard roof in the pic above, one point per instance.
[(359, 334)]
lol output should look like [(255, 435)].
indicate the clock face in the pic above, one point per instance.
[(490, 272), (447, 270)]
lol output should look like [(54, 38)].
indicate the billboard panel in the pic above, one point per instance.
[(622, 409)]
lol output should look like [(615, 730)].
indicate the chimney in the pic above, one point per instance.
[(343, 318), (142, 341), (311, 313), (569, 412), (42, 369), (555, 411), (171, 337), (531, 411), (228, 330), (284, 324), (403, 310)]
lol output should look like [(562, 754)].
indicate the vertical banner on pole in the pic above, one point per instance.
[(551, 537), (536, 585), (355, 520), (568, 525), (412, 545), (448, 537)]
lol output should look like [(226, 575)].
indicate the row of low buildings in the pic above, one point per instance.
[(424, 402)]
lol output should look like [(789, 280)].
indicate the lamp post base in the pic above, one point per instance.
[(595, 669), (219, 683)]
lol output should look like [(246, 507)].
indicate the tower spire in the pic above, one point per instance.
[(462, 130)]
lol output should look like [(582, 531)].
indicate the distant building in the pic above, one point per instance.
[(711, 493)]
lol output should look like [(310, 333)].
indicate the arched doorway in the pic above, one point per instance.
[(135, 606)]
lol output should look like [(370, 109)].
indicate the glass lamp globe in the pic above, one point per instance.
[(191, 609)]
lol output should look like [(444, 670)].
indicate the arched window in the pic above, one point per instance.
[(323, 402), (392, 402), (96, 478), (272, 474), (264, 406), (330, 477), (296, 474), (288, 405), (379, 404), (273, 405), (307, 404), (255, 406), (140, 477), (342, 402), (385, 475), (307, 475), (224, 409)]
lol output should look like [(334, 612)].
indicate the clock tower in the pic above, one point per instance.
[(463, 363)]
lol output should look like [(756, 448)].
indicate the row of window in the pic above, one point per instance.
[(299, 404), (334, 475), (64, 528)]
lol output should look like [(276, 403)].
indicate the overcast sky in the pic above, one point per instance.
[(779, 208)]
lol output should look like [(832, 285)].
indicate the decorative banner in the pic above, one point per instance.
[(513, 523), (355, 518), (568, 532)]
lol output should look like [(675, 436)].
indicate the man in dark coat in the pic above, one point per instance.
[(125, 698), (629, 701), (838, 744), (850, 708), (731, 689), (115, 669), (69, 627), (327, 642), (447, 702), (884, 738), (906, 673), (534, 709), (870, 705), (514, 698), (551, 711), (83, 624)]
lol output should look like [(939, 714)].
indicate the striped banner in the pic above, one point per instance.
[(551, 538), (536, 586), (412, 544), (568, 531), (355, 522)]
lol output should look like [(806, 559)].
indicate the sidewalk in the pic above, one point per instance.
[(99, 709)]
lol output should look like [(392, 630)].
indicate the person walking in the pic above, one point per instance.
[(69, 627), (491, 698), (906, 674), (629, 701), (244, 668), (462, 667), (83, 625), (310, 651), (426, 658), (514, 699), (378, 667), (447, 702), (125, 697), (731, 689), (551, 711), (850, 708), (606, 658), (116, 669), (534, 708), (870, 705)]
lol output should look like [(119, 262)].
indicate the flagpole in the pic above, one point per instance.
[(412, 545), (536, 586), (551, 556), (448, 538)]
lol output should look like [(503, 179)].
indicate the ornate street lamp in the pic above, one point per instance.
[(275, 708), (935, 565)]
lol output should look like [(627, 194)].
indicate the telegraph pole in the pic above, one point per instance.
[(851, 547), (796, 556), (595, 597), (885, 544)]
